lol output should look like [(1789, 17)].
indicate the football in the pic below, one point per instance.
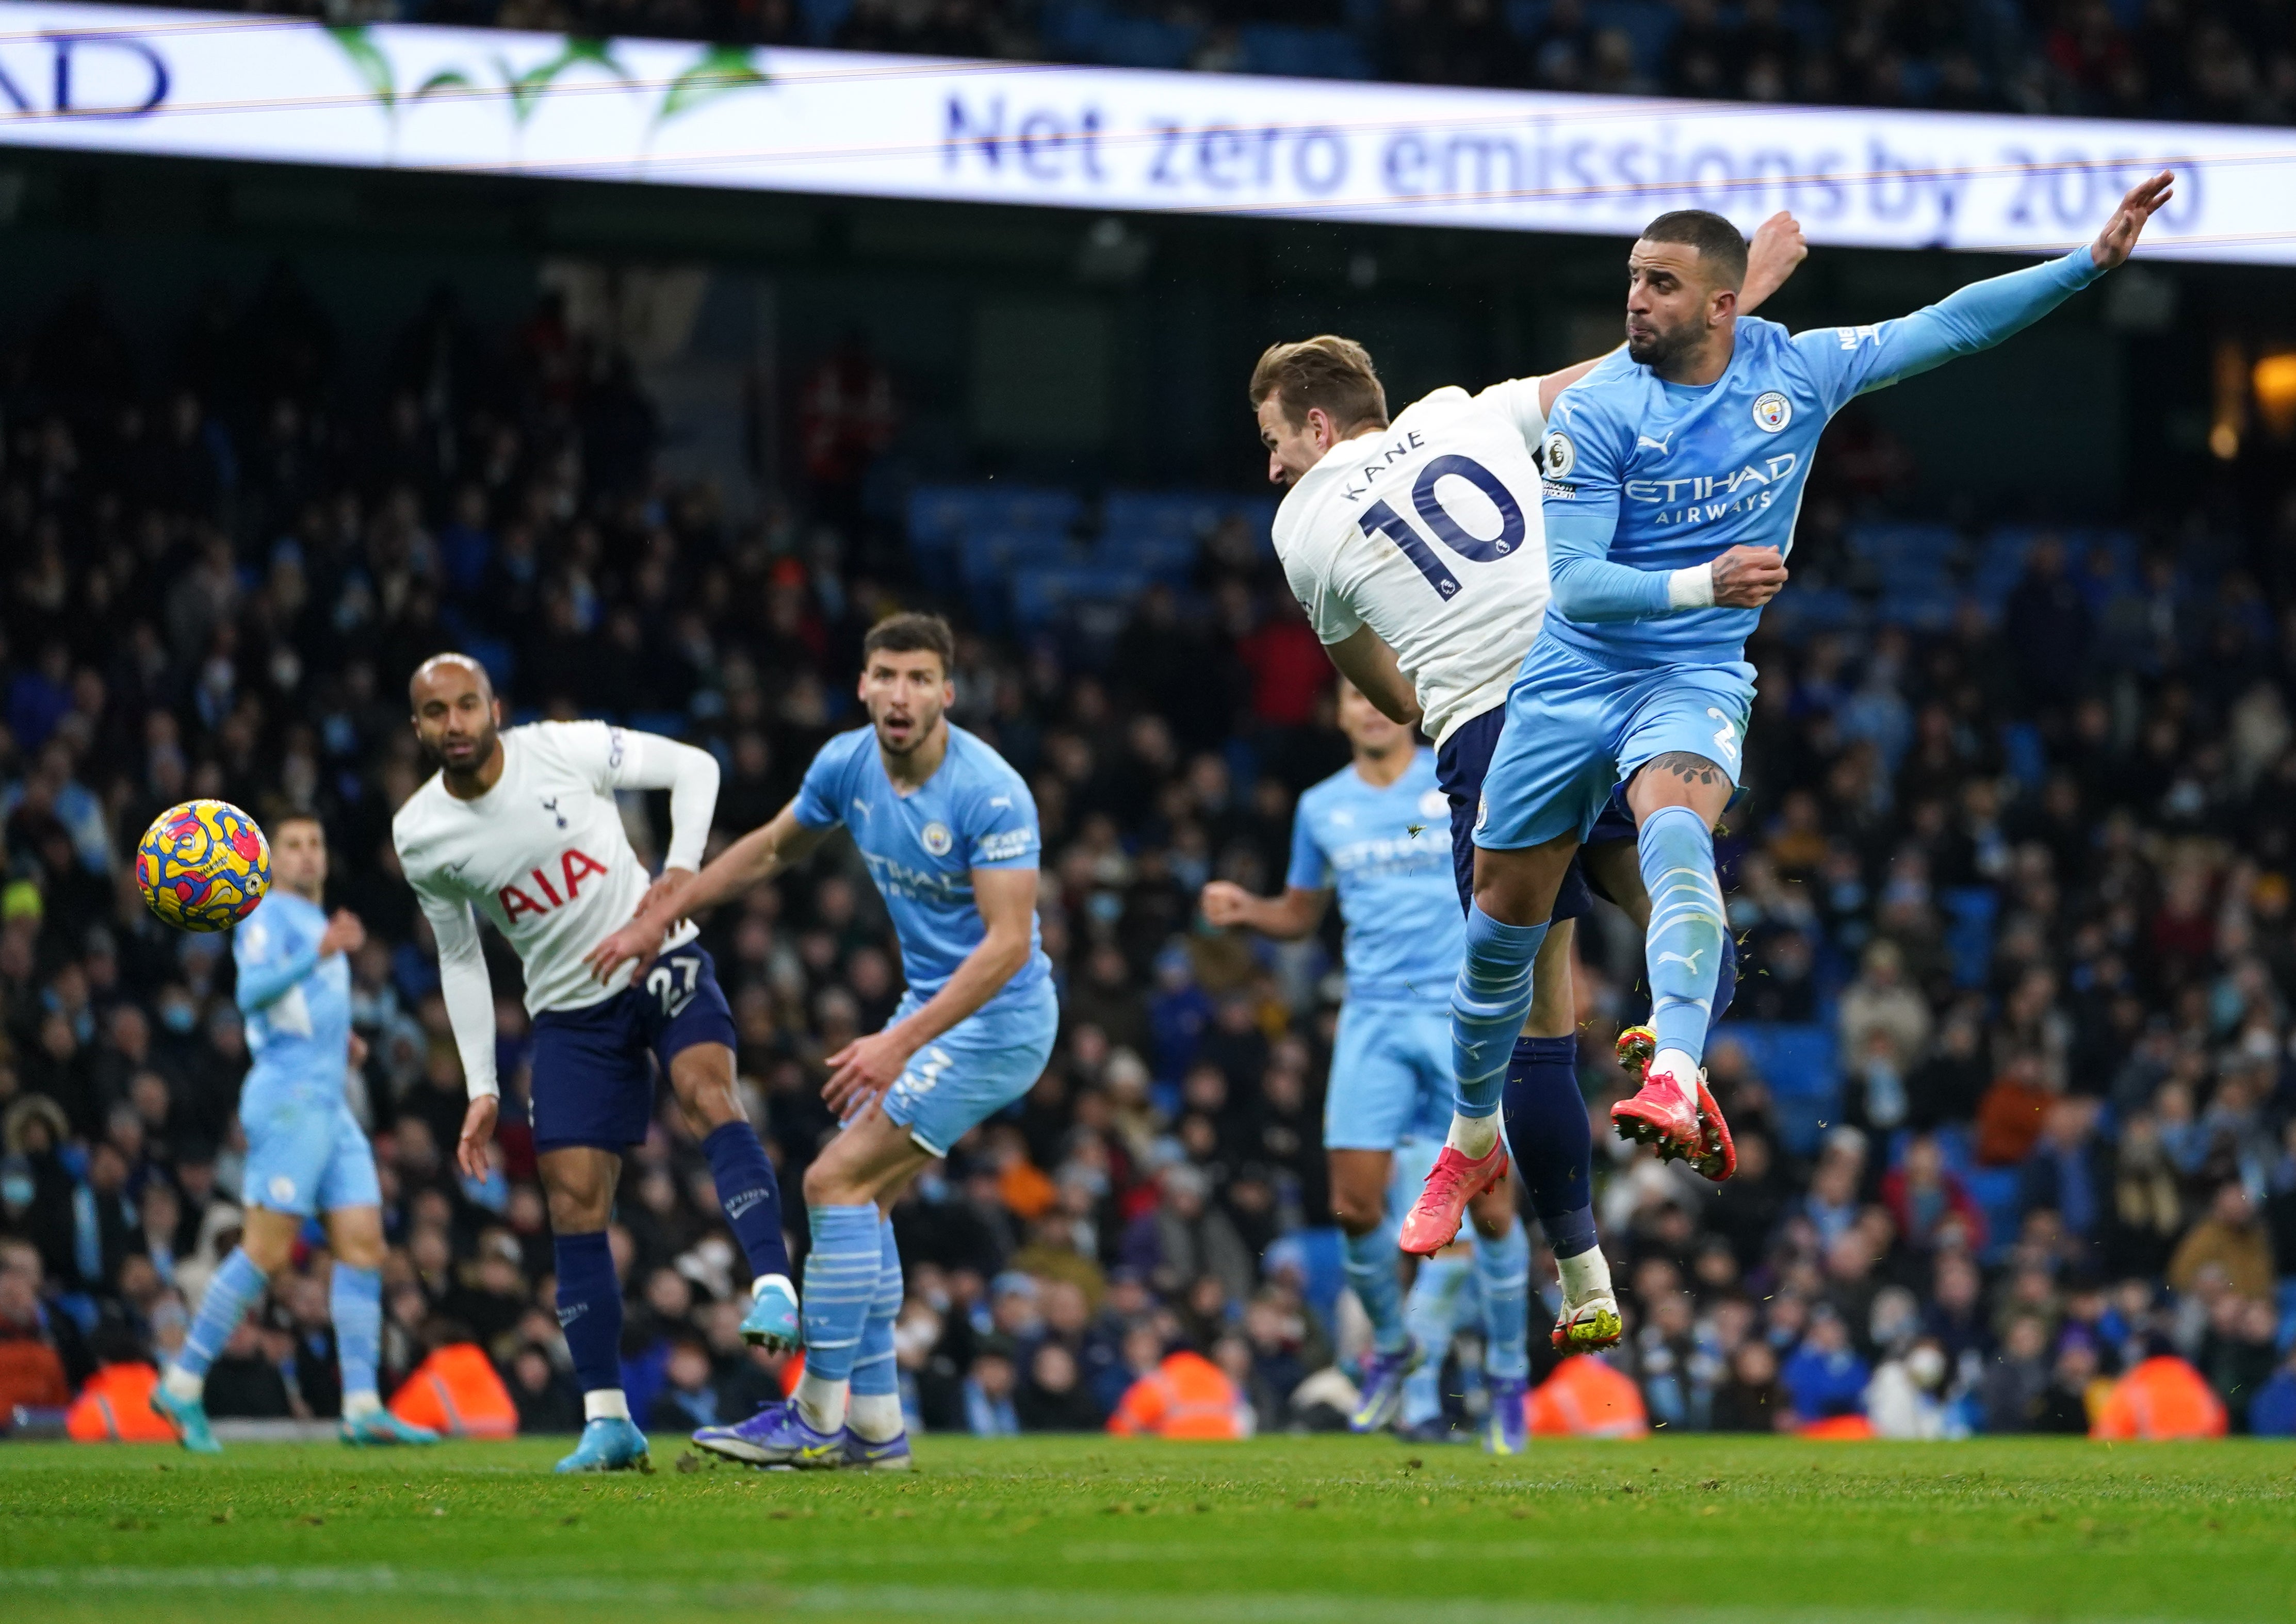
[(202, 866)]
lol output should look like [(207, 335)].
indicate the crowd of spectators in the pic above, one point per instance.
[(2216, 61), (2062, 1143)]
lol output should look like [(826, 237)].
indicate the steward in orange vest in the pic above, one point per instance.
[(2161, 1398), (115, 1407), (1187, 1396)]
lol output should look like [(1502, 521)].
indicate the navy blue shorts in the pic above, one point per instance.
[(594, 1068), (1459, 766)]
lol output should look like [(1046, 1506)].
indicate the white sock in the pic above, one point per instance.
[(1680, 1070), (1587, 1275), (366, 1403), (605, 1403), (874, 1417), (182, 1384), (821, 1401), (1473, 1136), (759, 1285)]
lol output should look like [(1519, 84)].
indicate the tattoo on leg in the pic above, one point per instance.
[(1687, 766)]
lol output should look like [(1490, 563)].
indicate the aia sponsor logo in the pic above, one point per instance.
[(537, 894)]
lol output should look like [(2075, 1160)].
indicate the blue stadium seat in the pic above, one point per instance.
[(1039, 596), (1999, 1193), (1803, 1068), (1970, 911), (941, 515), (1290, 51), (1169, 559), (1148, 42)]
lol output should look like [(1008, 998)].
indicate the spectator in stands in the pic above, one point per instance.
[(2230, 1239)]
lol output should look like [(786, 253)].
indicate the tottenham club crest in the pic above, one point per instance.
[(936, 839), (1772, 411), (1561, 456)]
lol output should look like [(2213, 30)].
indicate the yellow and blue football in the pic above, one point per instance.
[(202, 866)]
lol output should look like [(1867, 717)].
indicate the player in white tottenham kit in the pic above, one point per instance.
[(522, 825), (1417, 549)]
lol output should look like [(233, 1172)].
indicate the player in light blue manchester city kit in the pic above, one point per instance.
[(1694, 441), (305, 1152), (1377, 832), (949, 833)]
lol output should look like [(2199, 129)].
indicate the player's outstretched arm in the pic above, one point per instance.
[(1286, 918), (1365, 659), (780, 843), (1775, 254), (1854, 360), (862, 1069)]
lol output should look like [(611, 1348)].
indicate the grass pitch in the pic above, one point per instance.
[(1276, 1532)]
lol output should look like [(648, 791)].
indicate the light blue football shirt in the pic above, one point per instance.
[(1388, 854), (297, 1007), (922, 847), (1657, 476)]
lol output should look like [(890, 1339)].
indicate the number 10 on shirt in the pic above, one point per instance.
[(1380, 519)]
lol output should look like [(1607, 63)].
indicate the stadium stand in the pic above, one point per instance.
[(2134, 58), (2010, 1070)]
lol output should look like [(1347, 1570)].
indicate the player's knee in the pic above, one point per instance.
[(268, 1252), (826, 1185), (1356, 1212), (1493, 1211)]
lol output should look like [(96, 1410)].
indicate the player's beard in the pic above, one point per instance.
[(484, 753), (1659, 347), (921, 728)]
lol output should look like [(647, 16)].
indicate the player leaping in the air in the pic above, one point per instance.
[(1377, 832), (305, 1152), (522, 824), (949, 833), (1417, 548), (1694, 441)]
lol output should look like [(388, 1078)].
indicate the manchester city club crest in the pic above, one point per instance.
[(936, 839), (1772, 411), (1434, 803)]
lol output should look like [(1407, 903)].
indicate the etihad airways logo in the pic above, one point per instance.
[(1708, 497)]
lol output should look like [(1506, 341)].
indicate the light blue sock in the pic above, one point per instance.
[(235, 1289), (1503, 1280), (1487, 1007), (1371, 1262), (841, 1282), (875, 1373), (1442, 1301), (1683, 948), (355, 1302)]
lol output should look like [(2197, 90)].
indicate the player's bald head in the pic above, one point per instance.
[(1721, 251), (449, 671)]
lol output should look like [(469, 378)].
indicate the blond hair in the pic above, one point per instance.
[(1327, 372)]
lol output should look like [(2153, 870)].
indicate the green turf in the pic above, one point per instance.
[(1277, 1531)]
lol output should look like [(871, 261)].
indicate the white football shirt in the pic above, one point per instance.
[(544, 856), (1429, 532)]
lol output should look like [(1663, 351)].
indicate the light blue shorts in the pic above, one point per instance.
[(975, 1068), (305, 1152), (1390, 1076), (1575, 730)]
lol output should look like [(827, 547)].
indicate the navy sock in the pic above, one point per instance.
[(1725, 983), (1553, 1146), (590, 1308), (750, 1194)]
